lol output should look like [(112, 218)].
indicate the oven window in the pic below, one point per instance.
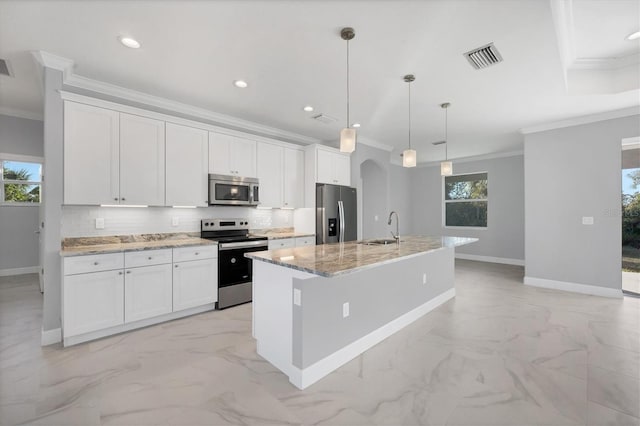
[(233, 267), (232, 192)]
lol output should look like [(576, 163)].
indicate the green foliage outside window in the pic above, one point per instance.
[(21, 182), (465, 198)]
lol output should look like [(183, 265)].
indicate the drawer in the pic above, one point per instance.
[(195, 253), (282, 243), (93, 263), (133, 259), (305, 241)]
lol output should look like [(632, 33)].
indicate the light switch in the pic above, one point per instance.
[(345, 309), (175, 221), (297, 297), (99, 222), (587, 220)]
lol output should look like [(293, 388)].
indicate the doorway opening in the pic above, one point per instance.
[(631, 217)]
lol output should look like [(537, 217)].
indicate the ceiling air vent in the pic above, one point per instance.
[(484, 56), (324, 118), (4, 68)]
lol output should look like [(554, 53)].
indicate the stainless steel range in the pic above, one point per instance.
[(234, 270)]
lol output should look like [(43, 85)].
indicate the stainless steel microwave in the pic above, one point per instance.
[(233, 191)]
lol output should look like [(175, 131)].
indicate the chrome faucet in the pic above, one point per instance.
[(396, 236)]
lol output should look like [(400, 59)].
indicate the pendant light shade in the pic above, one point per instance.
[(409, 156), (348, 134), (446, 167), (347, 140)]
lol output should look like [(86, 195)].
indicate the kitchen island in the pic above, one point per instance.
[(315, 308)]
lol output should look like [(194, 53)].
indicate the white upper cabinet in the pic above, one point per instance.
[(324, 165), (232, 155), (270, 174), (112, 157), (141, 160), (187, 163), (91, 154), (293, 192)]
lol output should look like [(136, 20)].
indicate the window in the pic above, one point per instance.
[(20, 182), (466, 200)]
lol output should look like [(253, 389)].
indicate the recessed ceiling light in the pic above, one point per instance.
[(308, 108), (634, 36), (129, 42), (240, 83), (356, 125)]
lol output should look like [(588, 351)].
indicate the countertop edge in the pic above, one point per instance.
[(122, 248)]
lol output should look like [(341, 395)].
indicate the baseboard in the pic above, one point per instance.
[(19, 271), (49, 337), (490, 259), (302, 378), (573, 287)]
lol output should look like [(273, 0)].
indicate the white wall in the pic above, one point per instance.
[(79, 221), (18, 241), (570, 173), (503, 240)]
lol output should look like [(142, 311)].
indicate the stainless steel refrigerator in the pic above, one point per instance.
[(336, 214)]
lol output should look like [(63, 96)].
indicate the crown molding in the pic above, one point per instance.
[(80, 82), (374, 143), (49, 60), (492, 156), (13, 112), (70, 79), (585, 119)]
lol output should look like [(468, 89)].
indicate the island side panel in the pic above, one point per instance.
[(272, 312), (376, 297)]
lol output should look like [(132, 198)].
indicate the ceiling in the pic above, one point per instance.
[(291, 54)]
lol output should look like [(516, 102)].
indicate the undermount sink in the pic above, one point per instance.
[(381, 242)]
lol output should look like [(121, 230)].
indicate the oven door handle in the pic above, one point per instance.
[(243, 244)]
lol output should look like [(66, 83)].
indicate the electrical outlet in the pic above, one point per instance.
[(175, 221), (99, 222), (587, 220), (345, 309), (297, 297), (424, 278)]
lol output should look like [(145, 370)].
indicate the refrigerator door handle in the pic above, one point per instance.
[(341, 213)]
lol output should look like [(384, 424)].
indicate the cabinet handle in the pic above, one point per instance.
[(115, 199), (149, 258), (197, 253), (175, 266), (122, 198), (120, 273), (95, 263), (128, 272)]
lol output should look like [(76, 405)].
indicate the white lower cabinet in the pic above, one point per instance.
[(282, 243), (147, 292), (305, 241), (195, 283), (110, 293), (93, 301)]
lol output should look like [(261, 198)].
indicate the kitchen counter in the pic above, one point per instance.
[(81, 246), (330, 260), (279, 233), (317, 307)]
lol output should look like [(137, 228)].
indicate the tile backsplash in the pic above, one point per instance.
[(80, 221)]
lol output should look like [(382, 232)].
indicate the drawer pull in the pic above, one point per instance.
[(95, 263), (175, 266), (149, 257), (120, 273), (197, 253), (128, 272)]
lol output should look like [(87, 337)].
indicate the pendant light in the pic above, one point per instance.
[(348, 134), (409, 156), (446, 167)]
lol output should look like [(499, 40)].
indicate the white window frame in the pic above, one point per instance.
[(445, 202), (24, 159)]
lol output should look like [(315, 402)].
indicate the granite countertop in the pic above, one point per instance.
[(329, 260), (120, 243), (279, 233)]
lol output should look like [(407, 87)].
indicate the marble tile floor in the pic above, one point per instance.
[(500, 353)]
